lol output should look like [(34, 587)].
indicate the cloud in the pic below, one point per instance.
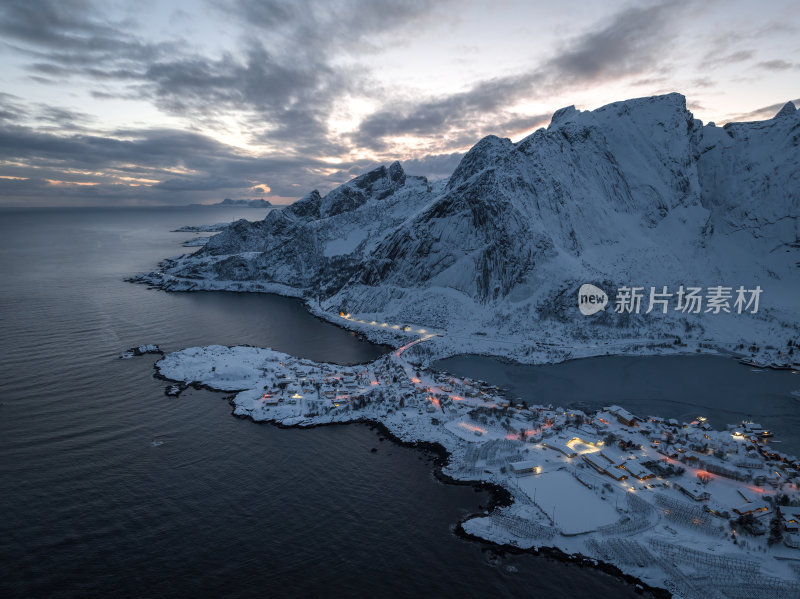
[(307, 26), (277, 100), (66, 36), (156, 165), (288, 81), (434, 166), (280, 87), (776, 65), (203, 184), (285, 68), (704, 82), (630, 43), (11, 108), (715, 59)]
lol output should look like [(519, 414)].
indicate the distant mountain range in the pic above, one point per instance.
[(636, 193), (256, 203)]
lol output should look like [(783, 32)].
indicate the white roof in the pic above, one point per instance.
[(637, 469), (751, 507), (695, 490), (524, 465)]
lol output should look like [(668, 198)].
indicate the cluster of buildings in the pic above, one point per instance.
[(609, 483), (732, 473)]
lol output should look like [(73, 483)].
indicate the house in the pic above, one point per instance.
[(525, 467), (269, 400), (562, 447), (791, 519), (623, 415), (637, 470), (597, 461), (747, 495), (616, 473), (695, 491), (755, 508)]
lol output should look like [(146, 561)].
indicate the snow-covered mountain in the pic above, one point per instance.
[(636, 193)]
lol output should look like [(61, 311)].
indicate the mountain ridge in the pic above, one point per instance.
[(634, 192)]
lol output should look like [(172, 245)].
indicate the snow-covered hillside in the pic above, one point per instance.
[(637, 193)]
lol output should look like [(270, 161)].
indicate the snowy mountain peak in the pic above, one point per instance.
[(788, 109), (563, 115), (484, 154), (379, 183), (396, 172), (637, 192), (306, 207)]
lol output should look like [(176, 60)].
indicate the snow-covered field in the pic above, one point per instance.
[(573, 506)]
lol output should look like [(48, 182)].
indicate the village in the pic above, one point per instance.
[(641, 492)]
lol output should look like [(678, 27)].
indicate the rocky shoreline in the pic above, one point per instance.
[(498, 495)]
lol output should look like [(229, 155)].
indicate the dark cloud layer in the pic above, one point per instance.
[(627, 45), (295, 62), (160, 161), (282, 94)]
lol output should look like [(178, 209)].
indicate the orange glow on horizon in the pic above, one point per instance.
[(79, 183)]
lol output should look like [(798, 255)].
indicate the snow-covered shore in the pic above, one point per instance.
[(609, 486), (541, 342)]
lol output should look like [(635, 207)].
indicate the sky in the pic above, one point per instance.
[(175, 102)]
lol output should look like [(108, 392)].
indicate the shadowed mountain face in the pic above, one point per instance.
[(636, 192)]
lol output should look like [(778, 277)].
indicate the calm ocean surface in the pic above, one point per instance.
[(109, 488)]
